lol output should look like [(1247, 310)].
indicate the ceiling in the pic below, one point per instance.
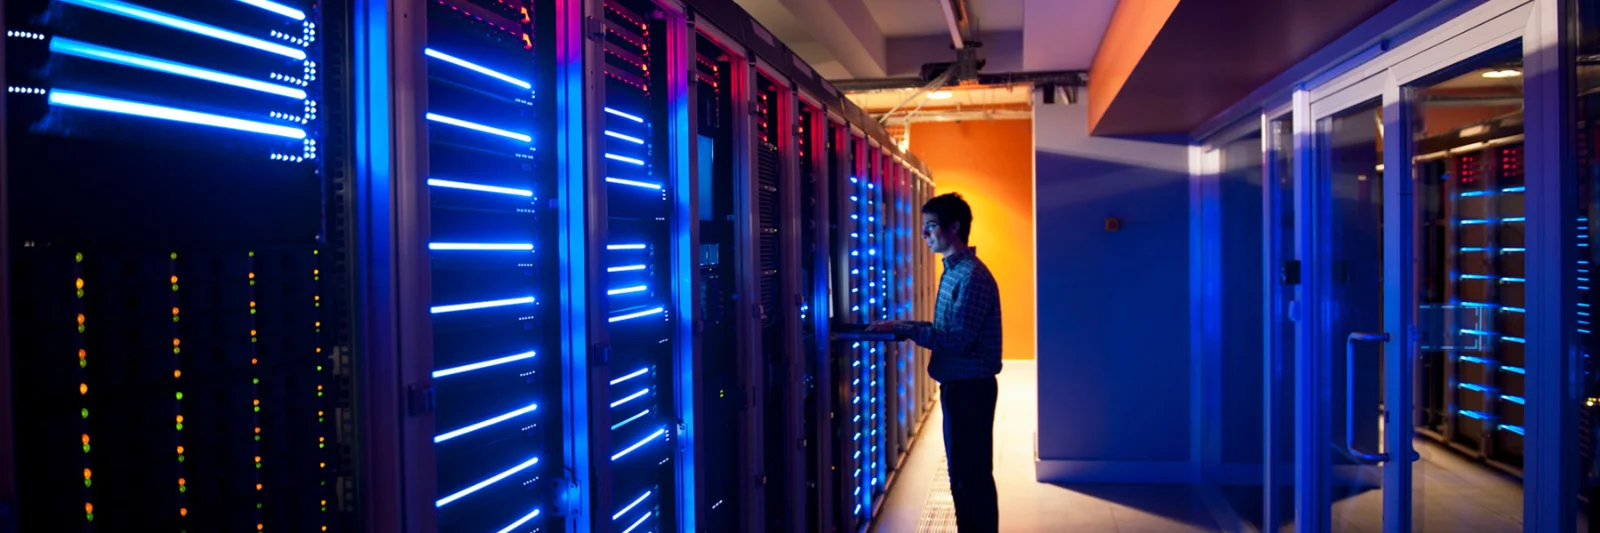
[(863, 39)]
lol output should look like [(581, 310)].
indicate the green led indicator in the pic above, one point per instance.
[(319, 394), (174, 320), (86, 448), (83, 363), (256, 381), (183, 489), (180, 458), (319, 368), (252, 254), (89, 516), (180, 427), (322, 445), (258, 438), (174, 255), (80, 293), (258, 408), (258, 466), (180, 395), (86, 413), (79, 258), (80, 328), (174, 288), (258, 506), (252, 311), (88, 483)]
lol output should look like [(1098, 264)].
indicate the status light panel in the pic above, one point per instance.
[(639, 272), (492, 242), (176, 296)]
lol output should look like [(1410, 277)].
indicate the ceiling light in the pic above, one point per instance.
[(1498, 74), (939, 95)]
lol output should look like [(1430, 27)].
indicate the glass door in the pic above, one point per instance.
[(1414, 379)]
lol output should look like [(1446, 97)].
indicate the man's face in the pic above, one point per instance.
[(939, 236)]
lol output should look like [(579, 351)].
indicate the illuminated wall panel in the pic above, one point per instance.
[(495, 292), (178, 252)]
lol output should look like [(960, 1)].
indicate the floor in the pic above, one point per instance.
[(1456, 495), (917, 502)]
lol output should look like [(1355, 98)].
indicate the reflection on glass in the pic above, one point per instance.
[(1469, 274), (1587, 111), (1238, 245), (1354, 142), (1280, 456)]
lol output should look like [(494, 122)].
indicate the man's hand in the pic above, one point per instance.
[(889, 325)]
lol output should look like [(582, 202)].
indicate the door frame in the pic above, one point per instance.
[(1384, 74)]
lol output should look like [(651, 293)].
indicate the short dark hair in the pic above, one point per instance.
[(950, 207)]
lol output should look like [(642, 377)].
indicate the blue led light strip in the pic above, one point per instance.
[(624, 115), (481, 484), (278, 8), (634, 374), (1474, 414), (636, 445), (615, 135), (1514, 399), (631, 316), (630, 506), (486, 423), (517, 247), (475, 67), (482, 364), (631, 397), (626, 268), (520, 521), (152, 16), (1515, 370), (637, 524), (1474, 387), (73, 47), (441, 309), (623, 159), (627, 290), (1514, 429), (621, 181), (625, 247), (124, 107), (479, 127), (630, 419), (480, 188)]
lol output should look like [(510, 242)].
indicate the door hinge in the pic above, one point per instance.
[(419, 399), (595, 28)]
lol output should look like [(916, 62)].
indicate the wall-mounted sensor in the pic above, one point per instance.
[(1113, 224)]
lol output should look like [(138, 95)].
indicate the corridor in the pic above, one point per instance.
[(920, 502)]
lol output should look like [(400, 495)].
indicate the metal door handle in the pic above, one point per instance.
[(1350, 396)]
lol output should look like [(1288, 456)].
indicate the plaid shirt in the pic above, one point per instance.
[(965, 333)]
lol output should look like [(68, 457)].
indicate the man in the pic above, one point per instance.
[(965, 339)]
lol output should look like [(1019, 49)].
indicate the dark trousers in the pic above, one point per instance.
[(969, 449)]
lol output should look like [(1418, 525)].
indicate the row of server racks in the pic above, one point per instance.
[(445, 265)]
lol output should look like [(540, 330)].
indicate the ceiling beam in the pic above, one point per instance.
[(860, 48)]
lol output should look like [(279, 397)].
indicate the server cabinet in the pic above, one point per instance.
[(718, 126), (778, 269), (176, 253), (638, 241), (1472, 379), (483, 361), (814, 157)]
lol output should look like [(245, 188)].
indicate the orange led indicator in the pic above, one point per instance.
[(258, 431), (87, 474), (85, 439), (257, 402), (183, 511), (182, 482), (80, 318), (252, 360), (82, 353), (252, 275), (88, 507), (252, 305), (80, 283), (258, 458), (175, 342), (258, 486), (180, 419), (83, 388), (180, 450), (252, 333), (174, 279)]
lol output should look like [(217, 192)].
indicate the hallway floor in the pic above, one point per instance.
[(914, 504)]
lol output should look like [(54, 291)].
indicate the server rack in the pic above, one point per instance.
[(1473, 374), (719, 74), (638, 240), (177, 248), (813, 149), (491, 400)]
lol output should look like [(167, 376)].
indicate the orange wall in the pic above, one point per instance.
[(991, 164)]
